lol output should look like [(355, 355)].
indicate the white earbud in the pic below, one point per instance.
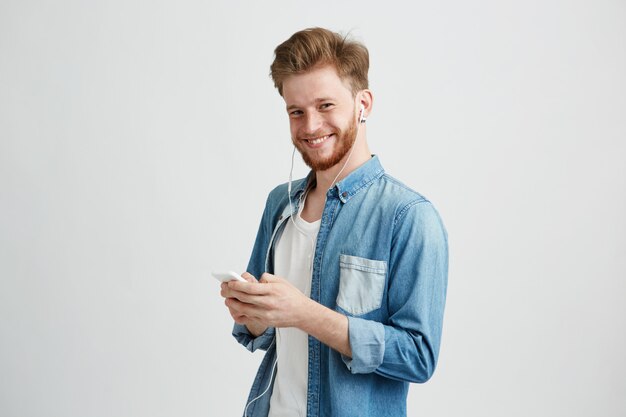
[(362, 118)]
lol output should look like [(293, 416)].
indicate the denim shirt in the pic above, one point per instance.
[(381, 259)]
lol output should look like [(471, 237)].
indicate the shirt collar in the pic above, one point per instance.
[(347, 187), (358, 179)]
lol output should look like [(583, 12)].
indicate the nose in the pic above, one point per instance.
[(312, 122)]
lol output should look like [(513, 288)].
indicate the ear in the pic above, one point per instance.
[(365, 101)]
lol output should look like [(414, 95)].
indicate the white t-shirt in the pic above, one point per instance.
[(293, 260)]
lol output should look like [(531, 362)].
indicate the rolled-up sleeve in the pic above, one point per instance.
[(263, 341), (368, 340), (406, 346)]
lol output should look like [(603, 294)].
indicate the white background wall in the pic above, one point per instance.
[(138, 141)]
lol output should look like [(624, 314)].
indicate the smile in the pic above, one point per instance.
[(316, 141)]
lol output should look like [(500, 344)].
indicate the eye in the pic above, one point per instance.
[(295, 113), (326, 106)]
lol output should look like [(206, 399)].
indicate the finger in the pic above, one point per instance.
[(253, 300), (265, 278), (248, 277), (225, 291), (234, 307), (238, 306), (237, 287), (239, 309)]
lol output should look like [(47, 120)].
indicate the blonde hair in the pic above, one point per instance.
[(313, 47)]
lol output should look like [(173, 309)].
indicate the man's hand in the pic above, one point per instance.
[(272, 301), (254, 326)]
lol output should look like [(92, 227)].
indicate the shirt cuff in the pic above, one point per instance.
[(243, 336), (367, 342)]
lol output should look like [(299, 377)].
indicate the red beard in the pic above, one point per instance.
[(343, 143)]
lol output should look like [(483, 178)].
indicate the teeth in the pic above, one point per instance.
[(318, 140)]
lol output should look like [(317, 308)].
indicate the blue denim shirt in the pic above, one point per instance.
[(381, 259)]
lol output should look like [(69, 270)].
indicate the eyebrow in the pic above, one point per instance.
[(317, 100)]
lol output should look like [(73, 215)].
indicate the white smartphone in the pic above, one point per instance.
[(228, 276)]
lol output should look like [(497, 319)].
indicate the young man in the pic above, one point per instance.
[(351, 264)]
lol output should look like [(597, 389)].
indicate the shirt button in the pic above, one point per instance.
[(280, 218), (344, 194)]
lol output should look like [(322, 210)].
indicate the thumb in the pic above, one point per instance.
[(248, 277), (268, 278)]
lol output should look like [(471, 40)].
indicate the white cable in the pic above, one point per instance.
[(269, 384), (356, 136), (301, 201)]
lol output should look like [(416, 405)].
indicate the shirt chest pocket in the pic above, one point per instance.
[(361, 284)]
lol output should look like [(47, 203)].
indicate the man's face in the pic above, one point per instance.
[(322, 116)]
